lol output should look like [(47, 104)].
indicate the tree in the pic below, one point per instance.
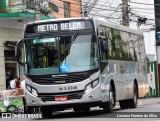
[(42, 6), (2, 8)]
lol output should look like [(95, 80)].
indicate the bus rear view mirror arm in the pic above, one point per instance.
[(105, 46), (18, 48), (103, 42)]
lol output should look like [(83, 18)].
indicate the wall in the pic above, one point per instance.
[(12, 30), (75, 8), (6, 35)]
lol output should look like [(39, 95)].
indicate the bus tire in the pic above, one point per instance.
[(30, 110), (79, 109), (123, 104), (108, 106), (133, 102), (46, 111), (86, 109)]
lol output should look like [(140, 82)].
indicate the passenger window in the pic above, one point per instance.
[(103, 43)]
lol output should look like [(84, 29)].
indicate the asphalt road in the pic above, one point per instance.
[(147, 110)]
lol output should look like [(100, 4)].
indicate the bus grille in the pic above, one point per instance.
[(60, 79), (51, 96)]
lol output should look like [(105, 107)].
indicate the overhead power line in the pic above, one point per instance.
[(143, 3), (104, 7), (101, 7), (87, 11)]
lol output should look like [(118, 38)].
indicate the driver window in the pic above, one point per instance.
[(103, 43)]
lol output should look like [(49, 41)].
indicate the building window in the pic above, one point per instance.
[(66, 10), (9, 55)]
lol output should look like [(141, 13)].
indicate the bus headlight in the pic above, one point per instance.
[(91, 85), (32, 90), (88, 87), (28, 88), (95, 83)]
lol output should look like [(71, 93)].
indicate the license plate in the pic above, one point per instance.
[(61, 98)]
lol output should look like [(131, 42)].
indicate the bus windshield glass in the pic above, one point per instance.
[(61, 54)]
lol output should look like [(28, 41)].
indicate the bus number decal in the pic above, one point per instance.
[(68, 88)]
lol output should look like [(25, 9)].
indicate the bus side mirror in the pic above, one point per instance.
[(18, 53), (104, 44)]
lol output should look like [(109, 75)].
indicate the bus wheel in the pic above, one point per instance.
[(77, 109), (108, 106), (123, 104), (80, 109), (86, 109), (133, 102), (46, 111), (30, 110)]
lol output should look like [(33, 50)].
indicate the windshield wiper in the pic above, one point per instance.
[(72, 41)]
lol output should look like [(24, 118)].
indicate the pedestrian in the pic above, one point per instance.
[(18, 83), (13, 83), (9, 78), (23, 84), (24, 98)]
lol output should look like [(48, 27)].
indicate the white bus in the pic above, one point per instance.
[(80, 63)]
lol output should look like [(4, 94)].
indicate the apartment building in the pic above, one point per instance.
[(14, 14)]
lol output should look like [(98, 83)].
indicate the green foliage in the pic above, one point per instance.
[(46, 11), (1, 103), (2, 8), (17, 102), (29, 5)]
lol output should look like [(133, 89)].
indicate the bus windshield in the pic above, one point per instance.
[(61, 54)]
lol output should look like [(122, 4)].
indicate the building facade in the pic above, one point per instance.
[(67, 8), (14, 14)]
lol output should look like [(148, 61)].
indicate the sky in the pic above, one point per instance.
[(111, 10), (146, 10)]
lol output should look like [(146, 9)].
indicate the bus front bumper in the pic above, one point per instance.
[(90, 97)]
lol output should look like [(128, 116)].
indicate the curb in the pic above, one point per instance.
[(146, 101)]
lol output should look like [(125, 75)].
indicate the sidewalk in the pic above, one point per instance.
[(149, 100)]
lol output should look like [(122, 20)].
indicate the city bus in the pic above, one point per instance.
[(81, 63)]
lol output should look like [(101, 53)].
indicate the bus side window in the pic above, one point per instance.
[(103, 41), (104, 48)]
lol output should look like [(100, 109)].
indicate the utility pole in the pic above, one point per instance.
[(125, 16), (37, 10)]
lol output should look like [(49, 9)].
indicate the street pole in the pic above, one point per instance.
[(37, 10), (125, 16)]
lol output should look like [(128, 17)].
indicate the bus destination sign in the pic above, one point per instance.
[(58, 26), (61, 26)]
